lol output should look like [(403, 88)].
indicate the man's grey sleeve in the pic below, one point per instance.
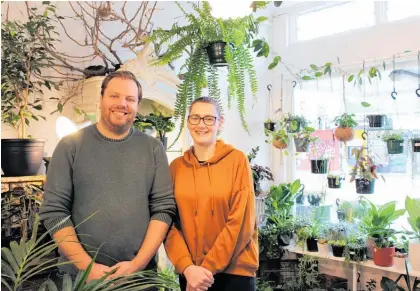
[(55, 210), (161, 199)]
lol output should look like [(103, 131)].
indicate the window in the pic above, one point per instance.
[(399, 10), (335, 19)]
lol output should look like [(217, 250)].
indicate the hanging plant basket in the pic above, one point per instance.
[(364, 186), (416, 145), (334, 182), (395, 146), (292, 125), (344, 134), (95, 71), (271, 126), (376, 120), (278, 144), (319, 166), (216, 53), (301, 144)]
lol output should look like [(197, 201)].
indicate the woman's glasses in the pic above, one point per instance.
[(208, 119)]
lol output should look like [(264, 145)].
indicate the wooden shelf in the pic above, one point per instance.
[(23, 179)]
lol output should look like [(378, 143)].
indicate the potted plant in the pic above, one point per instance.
[(314, 199), (294, 123), (320, 153), (208, 40), (394, 143), (334, 181), (259, 173), (24, 58), (303, 138), (162, 123), (300, 199), (355, 249), (376, 225), (416, 144), (338, 247), (280, 139), (308, 235), (401, 253), (270, 251), (376, 120), (280, 199), (269, 124), (413, 209), (345, 124), (322, 240), (142, 124), (363, 172)]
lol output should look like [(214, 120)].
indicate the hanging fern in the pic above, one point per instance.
[(193, 38)]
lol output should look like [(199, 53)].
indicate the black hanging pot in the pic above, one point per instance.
[(338, 251), (312, 245), (319, 166), (341, 215), (301, 144), (95, 71), (269, 126), (216, 53), (364, 186), (376, 120), (416, 145), (334, 182), (21, 157), (395, 146)]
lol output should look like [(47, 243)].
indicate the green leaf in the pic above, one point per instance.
[(37, 107), (17, 252), (262, 19), (47, 84), (46, 2), (307, 78), (314, 67), (318, 74), (274, 63), (60, 107), (365, 104), (361, 72), (7, 254), (67, 283), (351, 77)]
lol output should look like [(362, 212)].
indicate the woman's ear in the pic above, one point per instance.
[(221, 123)]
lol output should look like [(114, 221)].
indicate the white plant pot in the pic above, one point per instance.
[(414, 254), (323, 249), (399, 264)]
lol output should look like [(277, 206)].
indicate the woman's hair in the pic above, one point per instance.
[(208, 100)]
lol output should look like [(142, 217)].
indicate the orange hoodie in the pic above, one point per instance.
[(217, 227)]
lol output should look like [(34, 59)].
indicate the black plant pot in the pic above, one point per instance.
[(301, 144), (341, 215), (21, 157), (357, 254), (164, 141), (292, 125), (416, 145), (284, 239), (364, 186), (271, 126), (216, 53), (300, 199), (95, 71), (319, 166), (332, 183), (47, 161), (395, 146), (312, 245), (338, 251), (376, 120)]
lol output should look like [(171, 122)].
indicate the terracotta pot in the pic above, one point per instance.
[(279, 144), (383, 257), (344, 133)]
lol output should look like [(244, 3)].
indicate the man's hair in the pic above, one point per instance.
[(122, 75), (208, 100)]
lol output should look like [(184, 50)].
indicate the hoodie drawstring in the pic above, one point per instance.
[(196, 193), (212, 190)]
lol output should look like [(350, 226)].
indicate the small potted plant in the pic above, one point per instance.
[(320, 153), (294, 123), (162, 123), (376, 120), (345, 132), (314, 199), (303, 138), (280, 139), (355, 249), (308, 235), (394, 143), (322, 241), (334, 181), (337, 247), (259, 173), (269, 124), (413, 209), (401, 255), (363, 172), (416, 144)]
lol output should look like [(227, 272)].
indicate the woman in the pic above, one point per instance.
[(214, 244)]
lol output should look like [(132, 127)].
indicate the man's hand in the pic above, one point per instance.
[(98, 271), (124, 268), (198, 278)]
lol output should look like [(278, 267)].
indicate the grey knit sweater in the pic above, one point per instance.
[(127, 181)]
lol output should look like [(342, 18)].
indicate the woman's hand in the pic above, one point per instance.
[(198, 278)]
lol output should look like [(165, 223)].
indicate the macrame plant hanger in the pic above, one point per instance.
[(269, 110)]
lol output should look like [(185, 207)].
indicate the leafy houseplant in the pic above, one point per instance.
[(23, 59), (338, 247), (293, 123), (280, 200), (345, 124), (413, 209), (141, 123), (161, 122), (269, 124), (334, 181), (303, 138), (364, 171), (394, 143), (280, 139), (377, 226), (309, 236), (259, 173), (232, 37)]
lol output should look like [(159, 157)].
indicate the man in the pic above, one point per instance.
[(121, 174)]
